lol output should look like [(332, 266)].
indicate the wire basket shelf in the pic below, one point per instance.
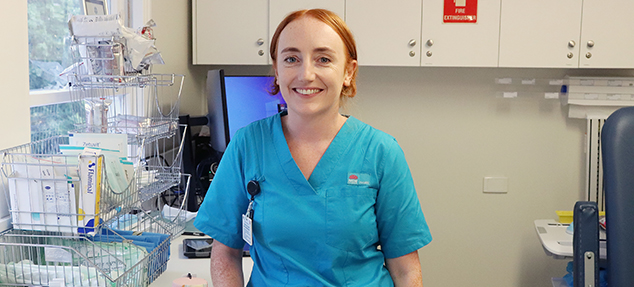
[(110, 258), (47, 190), (94, 216), (54, 237), (104, 56), (144, 107)]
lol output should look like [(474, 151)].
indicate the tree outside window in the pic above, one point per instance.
[(49, 55), (48, 41)]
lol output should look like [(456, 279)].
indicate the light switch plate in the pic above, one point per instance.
[(495, 185)]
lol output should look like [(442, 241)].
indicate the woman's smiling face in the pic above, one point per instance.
[(311, 67)]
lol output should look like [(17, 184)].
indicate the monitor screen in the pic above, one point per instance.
[(236, 101), (248, 100)]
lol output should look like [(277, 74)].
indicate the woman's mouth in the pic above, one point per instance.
[(309, 91)]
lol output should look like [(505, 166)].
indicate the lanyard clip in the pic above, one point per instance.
[(249, 212), (253, 187)]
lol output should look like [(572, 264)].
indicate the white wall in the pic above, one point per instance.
[(455, 129), (173, 39), (15, 126), (14, 76)]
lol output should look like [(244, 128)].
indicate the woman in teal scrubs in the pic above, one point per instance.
[(332, 200)]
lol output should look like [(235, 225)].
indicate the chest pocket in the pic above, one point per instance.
[(350, 217)]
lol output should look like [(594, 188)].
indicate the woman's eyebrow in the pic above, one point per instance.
[(324, 49), (289, 49), (318, 49)]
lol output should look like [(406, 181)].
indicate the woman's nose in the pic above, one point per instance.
[(307, 71)]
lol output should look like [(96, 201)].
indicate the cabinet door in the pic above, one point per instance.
[(607, 34), (540, 33), (230, 32), (387, 32), (461, 44), (278, 9)]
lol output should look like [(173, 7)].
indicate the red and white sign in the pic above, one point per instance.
[(460, 11)]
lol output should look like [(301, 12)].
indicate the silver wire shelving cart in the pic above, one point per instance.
[(99, 218)]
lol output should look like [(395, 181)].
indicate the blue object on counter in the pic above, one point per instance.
[(125, 221), (570, 229), (568, 277)]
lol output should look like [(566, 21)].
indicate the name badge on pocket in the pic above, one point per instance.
[(247, 234)]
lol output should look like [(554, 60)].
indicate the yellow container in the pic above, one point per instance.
[(565, 216)]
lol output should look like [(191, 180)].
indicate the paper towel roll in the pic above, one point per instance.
[(189, 282)]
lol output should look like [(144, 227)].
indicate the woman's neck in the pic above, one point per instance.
[(312, 129), (309, 138)]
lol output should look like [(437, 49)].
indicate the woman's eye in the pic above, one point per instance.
[(290, 60), (324, 60)]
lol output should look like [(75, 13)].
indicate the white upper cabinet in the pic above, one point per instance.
[(461, 44), (230, 32), (387, 32), (512, 33), (278, 9), (607, 34), (540, 33)]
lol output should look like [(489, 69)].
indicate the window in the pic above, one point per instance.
[(48, 41), (48, 56), (52, 112)]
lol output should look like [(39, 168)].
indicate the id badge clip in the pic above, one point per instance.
[(247, 225), (253, 187)]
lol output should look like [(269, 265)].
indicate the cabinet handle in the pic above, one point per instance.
[(428, 53), (590, 44), (570, 55), (261, 53), (571, 44), (412, 53), (260, 42), (412, 43), (430, 42), (588, 55)]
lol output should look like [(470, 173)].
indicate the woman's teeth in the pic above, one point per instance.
[(307, 91)]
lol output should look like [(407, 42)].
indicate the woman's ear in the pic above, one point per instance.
[(275, 68), (351, 67)]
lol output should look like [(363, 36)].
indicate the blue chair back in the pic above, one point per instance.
[(617, 146)]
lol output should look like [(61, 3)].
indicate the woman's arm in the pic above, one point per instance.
[(405, 270), (226, 266)]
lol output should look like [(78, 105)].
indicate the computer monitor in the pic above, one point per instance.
[(236, 101), (217, 110)]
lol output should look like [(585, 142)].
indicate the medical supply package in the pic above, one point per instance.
[(90, 175), (42, 197)]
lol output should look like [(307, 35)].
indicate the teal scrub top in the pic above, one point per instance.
[(358, 207)]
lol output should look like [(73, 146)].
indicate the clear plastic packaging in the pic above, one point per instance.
[(97, 114)]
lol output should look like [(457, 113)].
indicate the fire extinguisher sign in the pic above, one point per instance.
[(460, 11)]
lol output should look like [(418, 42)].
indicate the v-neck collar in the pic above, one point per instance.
[(339, 145)]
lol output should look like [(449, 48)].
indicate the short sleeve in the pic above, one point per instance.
[(400, 219), (220, 214)]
